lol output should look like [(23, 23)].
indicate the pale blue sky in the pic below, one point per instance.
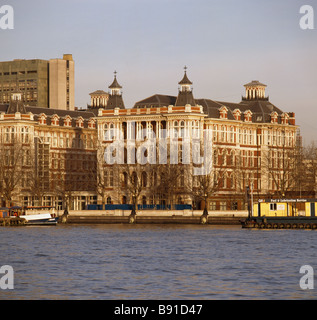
[(224, 43)]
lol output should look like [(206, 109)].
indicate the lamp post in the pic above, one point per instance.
[(205, 209), (247, 194), (133, 212), (134, 204), (204, 216)]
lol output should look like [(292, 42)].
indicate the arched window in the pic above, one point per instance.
[(134, 178), (139, 131), (154, 175), (124, 181), (109, 131), (175, 129), (182, 129), (195, 129), (106, 132), (144, 179), (150, 131), (109, 200), (25, 134)]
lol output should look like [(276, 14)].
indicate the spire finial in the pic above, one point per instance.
[(115, 73), (185, 68)]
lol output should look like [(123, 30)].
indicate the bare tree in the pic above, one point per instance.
[(310, 167), (12, 158), (171, 183), (134, 179), (285, 168)]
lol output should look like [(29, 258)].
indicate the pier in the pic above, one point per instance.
[(12, 221), (155, 217)]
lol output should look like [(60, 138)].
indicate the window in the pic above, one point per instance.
[(25, 134), (215, 133), (195, 127), (223, 134), (212, 205), (109, 131), (182, 129), (144, 179), (223, 205), (232, 134), (124, 180), (273, 206), (175, 129), (7, 135)]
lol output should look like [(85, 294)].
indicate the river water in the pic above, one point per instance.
[(156, 262)]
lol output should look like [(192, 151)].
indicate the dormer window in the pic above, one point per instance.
[(223, 112), (284, 118), (248, 116), (55, 120), (42, 118), (274, 116), (80, 122), (237, 114), (68, 121), (91, 124)]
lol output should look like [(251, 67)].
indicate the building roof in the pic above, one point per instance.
[(255, 83), (99, 92), (36, 111), (61, 113), (115, 84), (185, 80), (185, 97), (261, 110), (16, 106), (115, 101), (156, 101)]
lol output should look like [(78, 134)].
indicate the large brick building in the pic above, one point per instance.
[(62, 152)]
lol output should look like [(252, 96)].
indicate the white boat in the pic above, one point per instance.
[(39, 219)]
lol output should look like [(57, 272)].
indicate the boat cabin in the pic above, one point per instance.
[(285, 208)]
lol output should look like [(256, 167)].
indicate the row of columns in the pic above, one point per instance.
[(252, 93), (100, 101), (157, 125)]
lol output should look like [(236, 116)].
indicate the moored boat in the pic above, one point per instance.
[(39, 219), (282, 214), (40, 215)]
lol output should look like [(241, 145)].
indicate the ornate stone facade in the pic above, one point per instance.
[(63, 154)]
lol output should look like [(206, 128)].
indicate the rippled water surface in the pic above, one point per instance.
[(156, 262)]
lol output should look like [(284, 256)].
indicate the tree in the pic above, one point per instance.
[(171, 183), (310, 167), (12, 162), (206, 185), (286, 171), (134, 179)]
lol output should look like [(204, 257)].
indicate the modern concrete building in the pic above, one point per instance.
[(61, 83), (43, 83)]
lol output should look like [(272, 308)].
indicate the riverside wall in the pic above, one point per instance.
[(155, 217)]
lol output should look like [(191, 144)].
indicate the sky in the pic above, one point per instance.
[(224, 44)]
